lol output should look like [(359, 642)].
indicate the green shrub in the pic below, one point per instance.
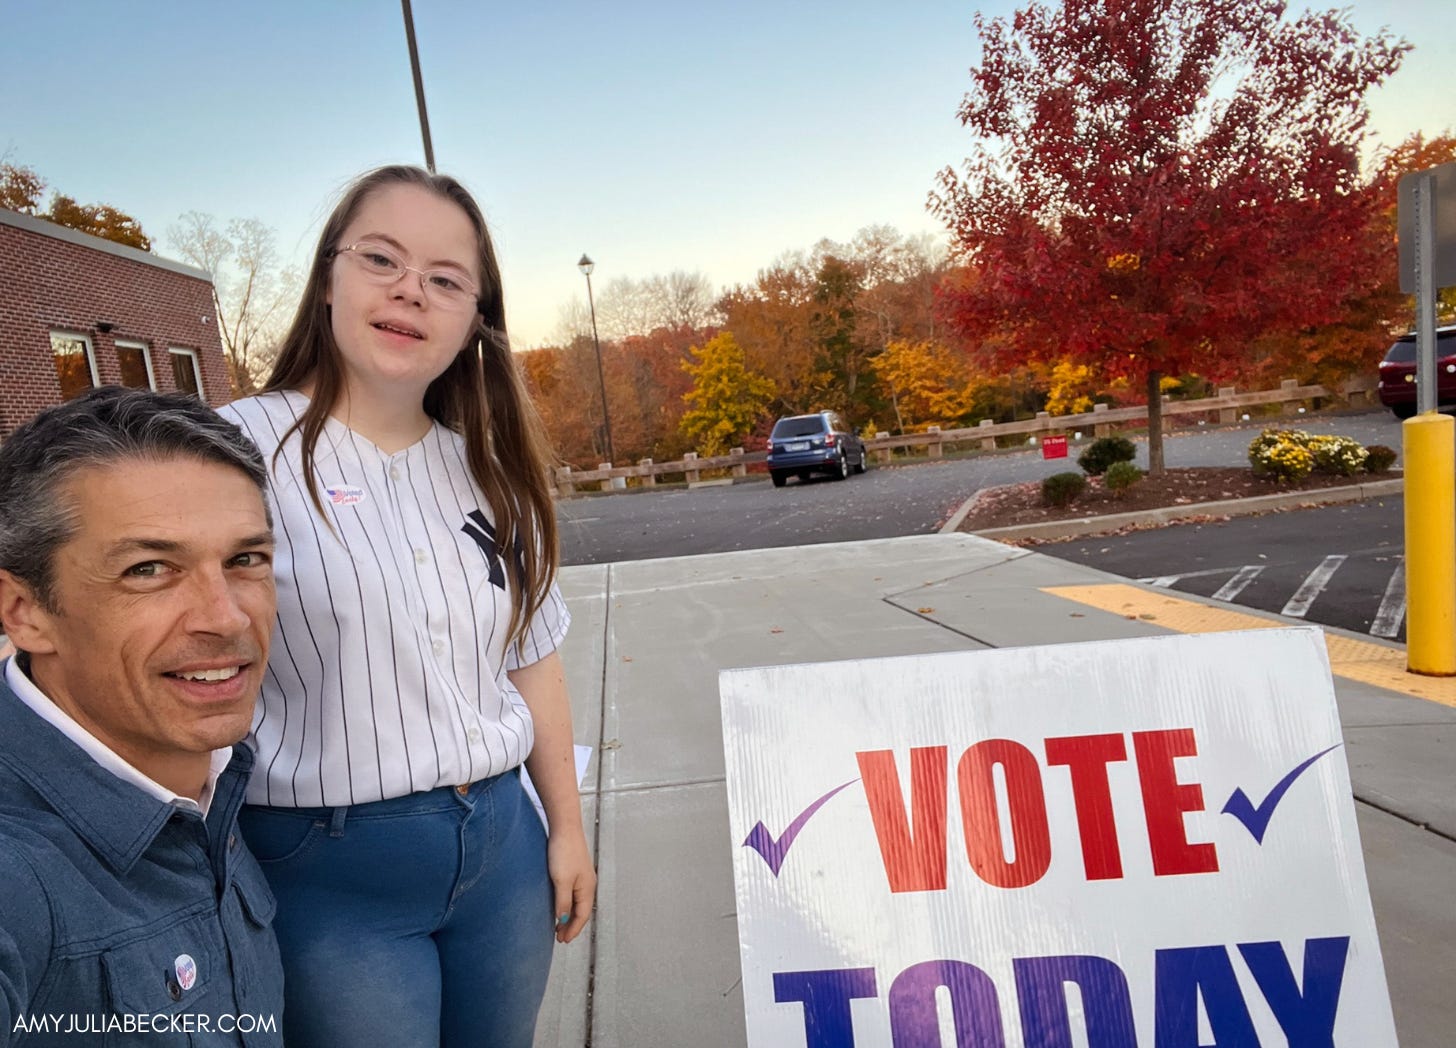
[(1286, 458), (1379, 458), (1061, 489), (1103, 452), (1120, 476), (1293, 454), (1339, 455), (1266, 441)]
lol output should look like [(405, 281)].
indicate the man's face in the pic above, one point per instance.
[(164, 603)]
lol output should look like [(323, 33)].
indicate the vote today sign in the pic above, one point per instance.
[(1131, 843)]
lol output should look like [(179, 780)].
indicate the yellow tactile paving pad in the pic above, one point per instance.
[(1369, 663)]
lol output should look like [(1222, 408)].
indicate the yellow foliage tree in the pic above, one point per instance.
[(929, 383), (1070, 388), (727, 398)]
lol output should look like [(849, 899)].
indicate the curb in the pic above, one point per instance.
[(963, 511), (1082, 526)]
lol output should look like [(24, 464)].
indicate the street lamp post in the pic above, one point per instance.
[(586, 266), (409, 33)]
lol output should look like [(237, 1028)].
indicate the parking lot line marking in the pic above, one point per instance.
[(1392, 605), (1153, 580), (1381, 665), (1313, 586), (1234, 586), (1164, 581)]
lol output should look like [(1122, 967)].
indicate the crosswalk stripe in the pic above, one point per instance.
[(1313, 586), (1392, 605), (1234, 586)]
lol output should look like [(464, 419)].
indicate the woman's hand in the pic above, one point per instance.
[(552, 765), (574, 880)]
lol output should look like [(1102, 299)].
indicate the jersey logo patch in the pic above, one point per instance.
[(345, 495), (484, 534)]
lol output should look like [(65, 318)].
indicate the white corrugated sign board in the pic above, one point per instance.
[(1129, 843)]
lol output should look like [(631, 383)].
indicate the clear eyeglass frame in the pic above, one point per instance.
[(446, 288)]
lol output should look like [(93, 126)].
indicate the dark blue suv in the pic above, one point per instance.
[(817, 443)]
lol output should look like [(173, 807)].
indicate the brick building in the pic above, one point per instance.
[(78, 311)]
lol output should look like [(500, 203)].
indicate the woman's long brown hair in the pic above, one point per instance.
[(480, 396)]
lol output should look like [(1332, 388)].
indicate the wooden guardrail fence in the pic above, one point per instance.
[(1227, 403)]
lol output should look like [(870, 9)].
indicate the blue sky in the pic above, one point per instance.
[(654, 136)]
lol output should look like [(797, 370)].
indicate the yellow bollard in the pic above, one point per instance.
[(1430, 544)]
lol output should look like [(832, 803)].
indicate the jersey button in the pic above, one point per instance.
[(438, 647), (421, 556), (393, 472)]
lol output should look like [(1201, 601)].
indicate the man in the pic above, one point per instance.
[(136, 583)]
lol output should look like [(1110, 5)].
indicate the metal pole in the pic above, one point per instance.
[(601, 376), (1425, 273), (409, 32)]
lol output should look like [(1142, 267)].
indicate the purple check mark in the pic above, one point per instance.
[(1256, 818), (775, 850)]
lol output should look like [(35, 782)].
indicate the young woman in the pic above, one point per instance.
[(414, 666)]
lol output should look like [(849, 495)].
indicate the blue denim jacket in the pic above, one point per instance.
[(120, 915)]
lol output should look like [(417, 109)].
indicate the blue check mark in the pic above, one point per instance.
[(1256, 818), (773, 850)]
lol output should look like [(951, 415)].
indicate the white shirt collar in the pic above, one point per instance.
[(42, 706)]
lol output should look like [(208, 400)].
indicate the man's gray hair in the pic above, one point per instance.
[(98, 428)]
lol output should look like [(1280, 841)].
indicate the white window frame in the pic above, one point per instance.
[(127, 343), (182, 351), (85, 340)]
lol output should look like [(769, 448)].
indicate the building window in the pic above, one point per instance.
[(185, 372), (135, 361), (75, 364)]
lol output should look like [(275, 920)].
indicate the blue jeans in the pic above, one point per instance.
[(417, 922)]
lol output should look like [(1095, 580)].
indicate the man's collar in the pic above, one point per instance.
[(116, 818), (17, 675)]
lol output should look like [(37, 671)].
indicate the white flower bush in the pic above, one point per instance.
[(1293, 454)]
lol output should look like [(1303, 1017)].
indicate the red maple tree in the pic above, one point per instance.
[(1154, 183)]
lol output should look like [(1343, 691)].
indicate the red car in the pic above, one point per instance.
[(1398, 373)]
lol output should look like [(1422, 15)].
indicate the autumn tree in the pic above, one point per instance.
[(1153, 183), (770, 319), (1358, 331), (1415, 153), (627, 307), (21, 189), (928, 384), (727, 399), (252, 294), (99, 220), (563, 384), (685, 300), (648, 382), (842, 354)]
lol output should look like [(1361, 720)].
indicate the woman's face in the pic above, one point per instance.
[(394, 337)]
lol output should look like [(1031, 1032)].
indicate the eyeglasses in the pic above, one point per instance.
[(446, 288)]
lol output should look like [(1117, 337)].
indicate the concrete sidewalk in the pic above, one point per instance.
[(659, 968)]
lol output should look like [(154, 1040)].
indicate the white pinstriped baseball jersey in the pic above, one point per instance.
[(387, 674)]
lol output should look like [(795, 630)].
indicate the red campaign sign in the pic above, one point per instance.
[(1054, 447)]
